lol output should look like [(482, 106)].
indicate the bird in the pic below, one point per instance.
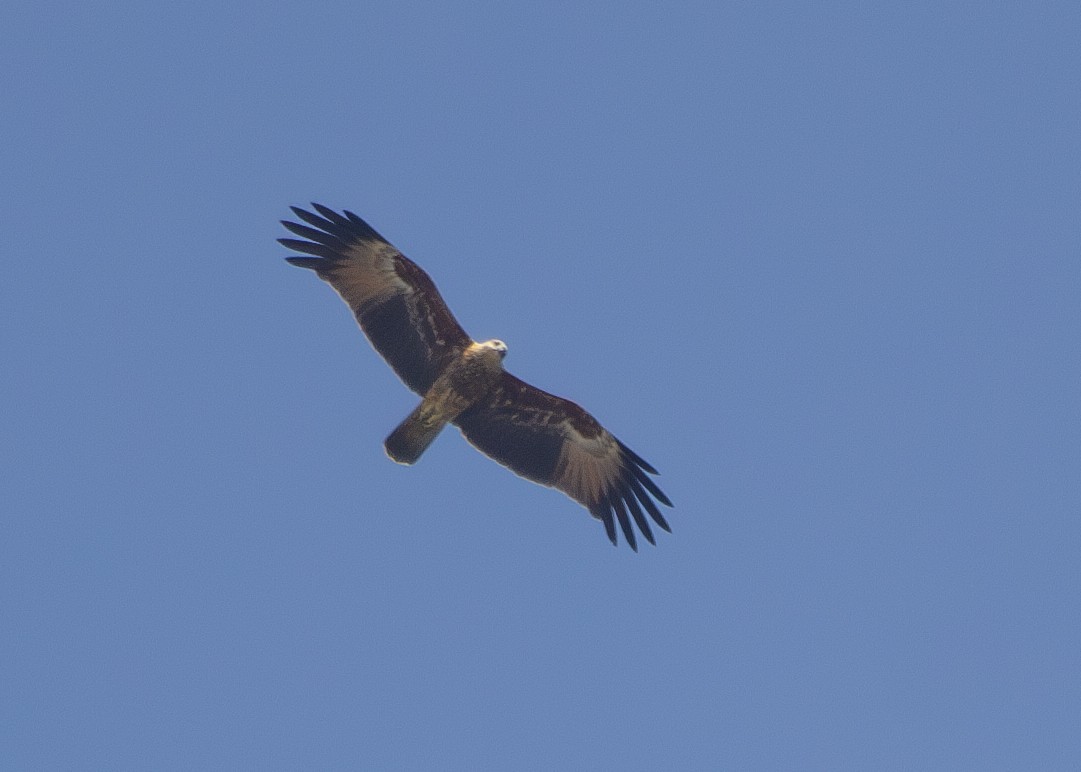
[(539, 436)]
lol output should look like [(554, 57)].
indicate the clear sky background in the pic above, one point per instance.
[(818, 263)]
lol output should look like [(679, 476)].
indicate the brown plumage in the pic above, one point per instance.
[(542, 437)]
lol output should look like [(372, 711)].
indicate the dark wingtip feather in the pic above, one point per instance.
[(315, 220), (311, 263), (605, 516), (330, 214), (652, 487), (310, 248), (361, 227), (346, 228), (616, 503), (635, 487), (639, 518), (636, 458), (308, 217), (659, 519), (312, 234)]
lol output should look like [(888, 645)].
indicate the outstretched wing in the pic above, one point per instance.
[(554, 442), (395, 302)]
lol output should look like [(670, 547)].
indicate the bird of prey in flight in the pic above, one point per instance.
[(542, 437)]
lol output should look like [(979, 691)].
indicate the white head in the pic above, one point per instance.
[(498, 346)]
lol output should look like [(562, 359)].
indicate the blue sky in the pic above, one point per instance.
[(818, 263)]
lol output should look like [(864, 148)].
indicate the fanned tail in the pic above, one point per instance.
[(412, 437)]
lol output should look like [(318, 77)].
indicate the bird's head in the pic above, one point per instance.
[(497, 346)]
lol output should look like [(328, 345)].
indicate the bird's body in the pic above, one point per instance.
[(465, 380), (542, 437)]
